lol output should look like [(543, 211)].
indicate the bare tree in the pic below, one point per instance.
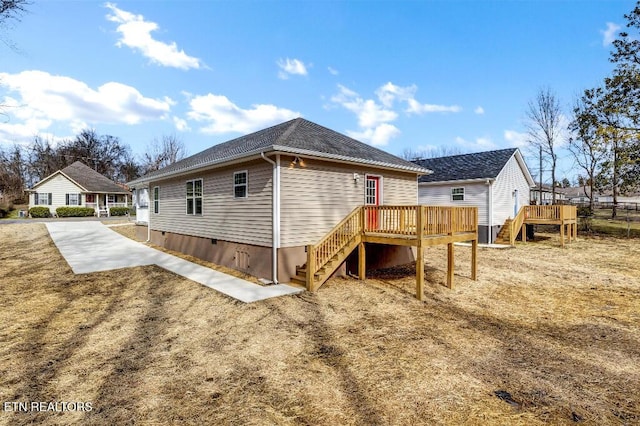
[(586, 143), (11, 10), (545, 128), (162, 152), (12, 175), (411, 154)]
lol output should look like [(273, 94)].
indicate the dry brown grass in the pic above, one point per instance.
[(556, 329)]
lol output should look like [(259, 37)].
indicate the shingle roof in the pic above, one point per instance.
[(91, 180), (297, 136), (479, 165)]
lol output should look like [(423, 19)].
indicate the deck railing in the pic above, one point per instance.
[(436, 220), (413, 223), (556, 214), (552, 213), (348, 228)]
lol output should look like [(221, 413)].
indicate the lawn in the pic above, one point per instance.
[(545, 336)]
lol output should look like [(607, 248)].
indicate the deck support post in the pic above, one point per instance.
[(562, 233), (420, 253), (474, 259), (450, 265), (311, 266), (362, 262)]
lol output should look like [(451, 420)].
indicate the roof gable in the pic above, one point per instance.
[(297, 136), (86, 178), (475, 166)]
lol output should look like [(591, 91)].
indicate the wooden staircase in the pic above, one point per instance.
[(325, 272), (504, 236)]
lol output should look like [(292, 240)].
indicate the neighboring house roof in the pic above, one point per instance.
[(547, 188), (294, 137), (87, 179), (577, 191), (468, 167)]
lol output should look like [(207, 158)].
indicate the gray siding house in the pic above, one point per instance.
[(497, 182), (254, 203), (78, 185)]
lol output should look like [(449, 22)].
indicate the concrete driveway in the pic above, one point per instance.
[(92, 247)]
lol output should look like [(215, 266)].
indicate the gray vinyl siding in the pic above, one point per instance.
[(242, 220), (475, 195), (314, 198), (58, 186), (510, 178)]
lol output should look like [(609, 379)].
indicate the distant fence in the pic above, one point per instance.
[(609, 206)]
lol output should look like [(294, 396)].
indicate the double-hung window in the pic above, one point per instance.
[(156, 199), (73, 199), (457, 194), (194, 196), (42, 199), (240, 184)]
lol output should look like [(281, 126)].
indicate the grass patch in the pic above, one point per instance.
[(545, 336)]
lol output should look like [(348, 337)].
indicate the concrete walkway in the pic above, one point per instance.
[(91, 247)]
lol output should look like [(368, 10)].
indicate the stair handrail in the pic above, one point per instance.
[(516, 224), (338, 237)]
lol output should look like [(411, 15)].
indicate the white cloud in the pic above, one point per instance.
[(380, 135), (44, 99), (332, 71), (181, 124), (418, 108), (609, 35), (135, 33), (373, 118), (291, 67), (390, 93), (220, 115), (369, 113), (480, 144), (516, 139), (479, 110)]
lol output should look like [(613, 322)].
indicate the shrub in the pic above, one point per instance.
[(584, 211), (5, 209), (74, 211), (39, 212), (118, 211)]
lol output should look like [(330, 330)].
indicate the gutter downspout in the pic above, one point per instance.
[(489, 211), (149, 220), (275, 226)]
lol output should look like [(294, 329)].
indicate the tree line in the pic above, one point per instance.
[(23, 166), (604, 126)]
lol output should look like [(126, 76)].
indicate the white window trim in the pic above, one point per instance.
[(452, 194), (246, 185), (380, 187), (156, 200), (38, 199), (193, 198)]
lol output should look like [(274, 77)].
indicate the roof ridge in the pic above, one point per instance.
[(285, 135)]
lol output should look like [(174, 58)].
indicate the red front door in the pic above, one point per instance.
[(372, 198)]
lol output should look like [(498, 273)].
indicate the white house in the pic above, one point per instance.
[(497, 182), (547, 195), (78, 185)]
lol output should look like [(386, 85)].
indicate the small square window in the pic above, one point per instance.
[(457, 194)]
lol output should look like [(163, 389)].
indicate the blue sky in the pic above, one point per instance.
[(398, 75)]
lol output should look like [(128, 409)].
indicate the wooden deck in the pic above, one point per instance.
[(563, 215), (419, 226)]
